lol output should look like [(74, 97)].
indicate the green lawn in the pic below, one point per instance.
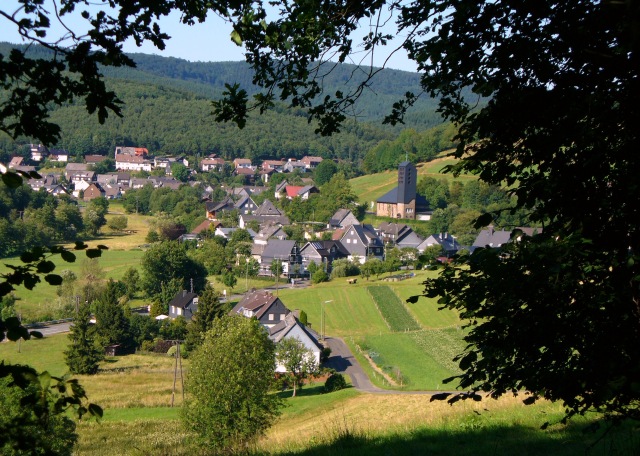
[(42, 299), (42, 354)]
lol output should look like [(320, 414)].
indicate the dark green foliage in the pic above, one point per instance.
[(335, 382), (131, 281), (319, 276), (303, 317), (143, 329), (180, 172), (83, 355), (168, 260), (112, 325), (209, 308), (344, 268), (229, 404), (24, 432), (229, 279), (324, 172)]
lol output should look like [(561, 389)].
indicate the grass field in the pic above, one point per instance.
[(392, 309), (42, 300), (135, 392)]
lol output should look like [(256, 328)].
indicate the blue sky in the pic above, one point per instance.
[(207, 42)]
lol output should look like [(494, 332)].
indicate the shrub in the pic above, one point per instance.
[(335, 382), (319, 276)]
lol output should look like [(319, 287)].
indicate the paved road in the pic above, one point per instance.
[(343, 361)]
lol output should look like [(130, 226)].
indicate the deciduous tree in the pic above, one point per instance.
[(228, 403), (298, 360)]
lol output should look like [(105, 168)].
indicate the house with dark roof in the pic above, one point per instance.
[(93, 191), (294, 165), (268, 309), (289, 328), (489, 237), (270, 232), (362, 242), (322, 253), (280, 189), (267, 213), (288, 252), (449, 244), (399, 234), (184, 304), (341, 219), (38, 152), (245, 205), (214, 209), (402, 201)]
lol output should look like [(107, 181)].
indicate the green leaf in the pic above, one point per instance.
[(94, 253), (53, 279), (468, 360), (439, 397), (236, 38), (68, 256), (46, 266), (412, 299), (482, 221), (11, 179), (96, 410), (36, 334)]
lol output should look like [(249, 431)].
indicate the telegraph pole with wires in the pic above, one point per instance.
[(177, 364)]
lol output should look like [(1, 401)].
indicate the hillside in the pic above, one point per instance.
[(167, 109)]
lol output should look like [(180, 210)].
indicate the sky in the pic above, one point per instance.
[(206, 42)]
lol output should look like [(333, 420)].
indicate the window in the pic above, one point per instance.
[(348, 241), (281, 316), (179, 311), (271, 317)]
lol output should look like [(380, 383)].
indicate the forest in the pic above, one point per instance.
[(167, 109)]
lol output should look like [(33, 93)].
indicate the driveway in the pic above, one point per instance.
[(343, 361)]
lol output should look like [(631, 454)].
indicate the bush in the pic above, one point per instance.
[(324, 354), (319, 276), (335, 382)]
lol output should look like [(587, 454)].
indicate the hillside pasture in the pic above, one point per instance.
[(42, 300), (372, 186)]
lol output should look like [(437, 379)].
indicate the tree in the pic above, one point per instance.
[(228, 403), (324, 172), (131, 280), (229, 279), (209, 308), (276, 268), (112, 325), (168, 260), (298, 360), (180, 172), (83, 355), (118, 223)]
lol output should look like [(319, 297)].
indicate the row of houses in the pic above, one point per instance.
[(269, 310)]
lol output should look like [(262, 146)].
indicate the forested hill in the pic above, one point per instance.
[(168, 110), (209, 78)]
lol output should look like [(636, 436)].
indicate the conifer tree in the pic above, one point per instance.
[(83, 355)]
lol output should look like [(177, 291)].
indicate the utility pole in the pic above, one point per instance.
[(178, 362)]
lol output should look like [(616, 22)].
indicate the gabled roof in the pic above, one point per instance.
[(323, 248), (490, 237), (225, 204), (257, 302), (204, 226), (284, 327), (269, 231), (267, 209), (182, 299), (278, 249), (293, 191), (281, 186)]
